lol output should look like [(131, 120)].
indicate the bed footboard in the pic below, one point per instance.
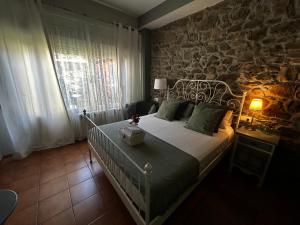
[(136, 199)]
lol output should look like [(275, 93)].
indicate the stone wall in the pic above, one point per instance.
[(253, 45)]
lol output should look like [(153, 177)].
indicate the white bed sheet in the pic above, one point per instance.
[(202, 147)]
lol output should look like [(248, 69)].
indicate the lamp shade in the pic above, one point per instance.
[(256, 104), (160, 84)]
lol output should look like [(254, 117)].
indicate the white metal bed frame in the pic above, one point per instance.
[(211, 91)]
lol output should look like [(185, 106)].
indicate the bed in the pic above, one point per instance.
[(154, 178)]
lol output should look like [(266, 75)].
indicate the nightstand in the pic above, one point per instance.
[(253, 151)]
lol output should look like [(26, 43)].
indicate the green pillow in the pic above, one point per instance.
[(167, 110), (205, 119), (215, 106)]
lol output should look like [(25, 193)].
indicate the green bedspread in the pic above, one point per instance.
[(173, 170)]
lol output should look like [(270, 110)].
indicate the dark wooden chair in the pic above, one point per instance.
[(141, 108)]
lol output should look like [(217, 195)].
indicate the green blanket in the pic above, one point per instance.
[(173, 170)]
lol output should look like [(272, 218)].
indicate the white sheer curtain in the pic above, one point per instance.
[(32, 106), (129, 61), (97, 65)]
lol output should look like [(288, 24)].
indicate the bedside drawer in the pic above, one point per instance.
[(251, 160), (255, 143)]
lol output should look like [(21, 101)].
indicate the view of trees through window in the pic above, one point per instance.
[(88, 83)]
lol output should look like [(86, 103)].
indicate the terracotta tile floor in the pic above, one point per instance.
[(61, 187)]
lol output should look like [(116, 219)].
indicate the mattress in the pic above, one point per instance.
[(201, 146)]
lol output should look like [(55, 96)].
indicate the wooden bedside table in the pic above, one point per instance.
[(253, 151)]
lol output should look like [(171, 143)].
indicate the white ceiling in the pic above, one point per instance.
[(133, 8)]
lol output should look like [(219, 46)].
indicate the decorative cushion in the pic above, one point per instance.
[(205, 119), (188, 111), (181, 109), (215, 106), (167, 110), (183, 103)]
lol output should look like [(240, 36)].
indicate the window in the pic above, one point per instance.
[(83, 81)]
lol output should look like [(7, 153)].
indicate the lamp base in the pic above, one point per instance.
[(252, 128)]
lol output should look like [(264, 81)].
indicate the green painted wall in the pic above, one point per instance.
[(146, 45)]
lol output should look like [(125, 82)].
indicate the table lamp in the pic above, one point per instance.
[(160, 84), (255, 105)]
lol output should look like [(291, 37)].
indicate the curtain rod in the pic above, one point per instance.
[(39, 2)]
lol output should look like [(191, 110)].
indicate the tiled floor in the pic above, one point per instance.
[(61, 187)]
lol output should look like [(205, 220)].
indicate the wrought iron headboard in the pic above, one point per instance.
[(211, 91)]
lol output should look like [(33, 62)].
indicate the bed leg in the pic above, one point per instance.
[(148, 171), (90, 154)]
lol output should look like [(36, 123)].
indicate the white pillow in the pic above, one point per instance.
[(227, 120)]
